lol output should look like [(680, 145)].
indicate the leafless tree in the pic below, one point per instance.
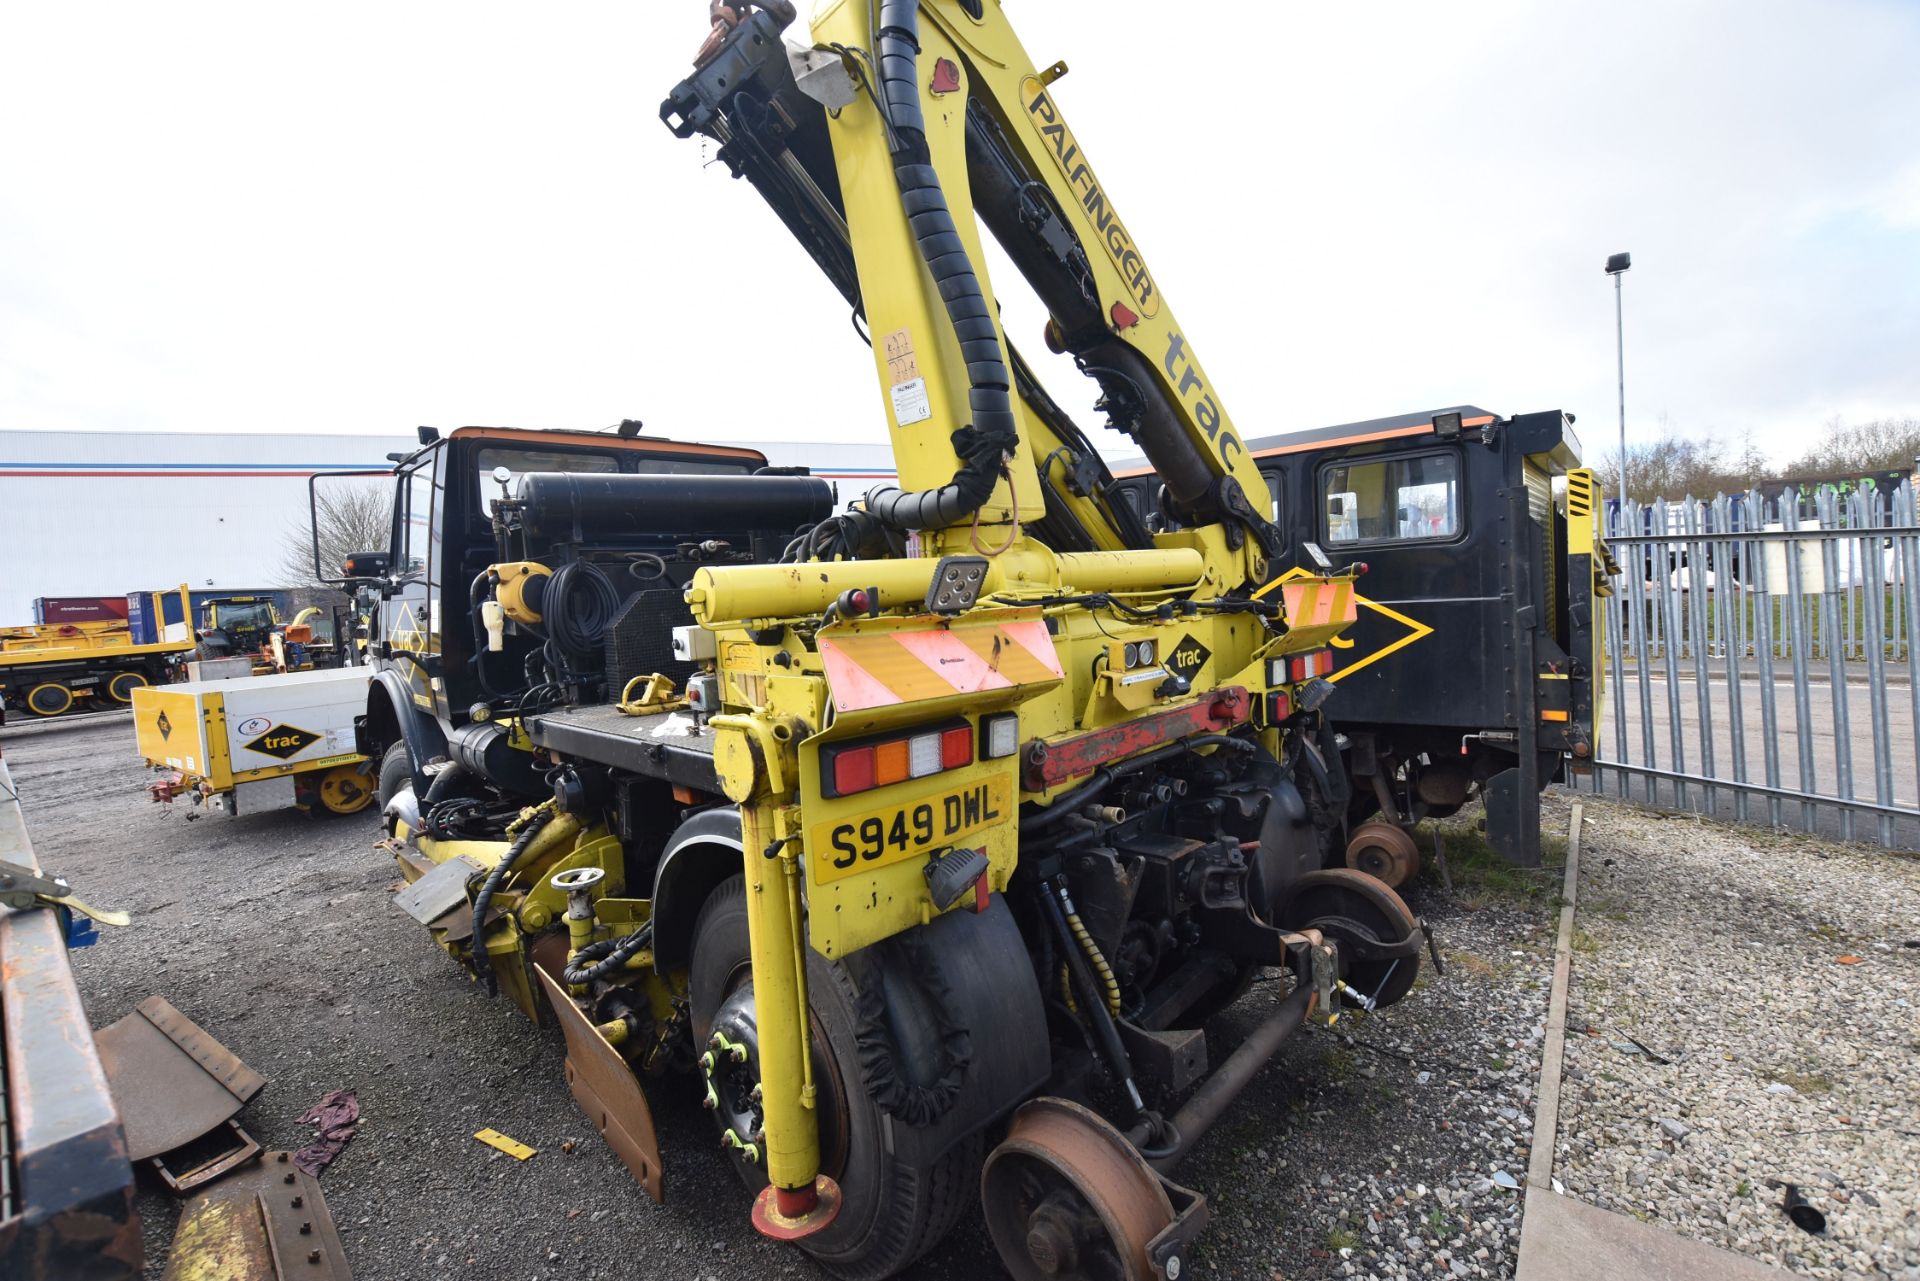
[(352, 515), (1859, 449)]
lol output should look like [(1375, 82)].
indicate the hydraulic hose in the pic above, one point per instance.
[(451, 775), (1070, 804), (983, 444), (482, 963), (596, 961), (1094, 956)]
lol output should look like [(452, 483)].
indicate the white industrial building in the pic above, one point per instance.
[(107, 513)]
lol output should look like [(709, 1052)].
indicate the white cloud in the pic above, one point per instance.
[(224, 216)]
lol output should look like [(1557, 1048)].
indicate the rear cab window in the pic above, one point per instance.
[(1407, 499)]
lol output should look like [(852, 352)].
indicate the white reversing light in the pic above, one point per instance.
[(1000, 735), (923, 755)]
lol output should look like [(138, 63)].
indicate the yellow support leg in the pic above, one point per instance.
[(798, 1200)]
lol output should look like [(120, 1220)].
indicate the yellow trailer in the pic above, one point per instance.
[(259, 742), (49, 669)]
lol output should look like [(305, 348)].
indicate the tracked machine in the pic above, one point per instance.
[(918, 841)]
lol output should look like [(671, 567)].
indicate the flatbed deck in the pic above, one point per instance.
[(658, 746)]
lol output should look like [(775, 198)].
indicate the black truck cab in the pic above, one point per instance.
[(1473, 667)]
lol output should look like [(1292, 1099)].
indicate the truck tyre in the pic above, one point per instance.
[(121, 687), (396, 772), (894, 1209), (49, 698)]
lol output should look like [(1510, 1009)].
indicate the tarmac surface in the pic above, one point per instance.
[(1371, 1152)]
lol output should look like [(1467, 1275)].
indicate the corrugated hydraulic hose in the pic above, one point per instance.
[(1094, 955), (983, 444)]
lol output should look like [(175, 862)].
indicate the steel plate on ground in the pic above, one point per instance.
[(266, 1223), (607, 1091), (438, 892), (171, 1081)]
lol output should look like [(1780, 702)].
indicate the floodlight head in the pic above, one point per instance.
[(1617, 263)]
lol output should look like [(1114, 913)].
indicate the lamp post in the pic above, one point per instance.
[(1617, 266)]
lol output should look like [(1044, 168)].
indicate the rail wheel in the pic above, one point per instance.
[(346, 789), (1384, 850), (120, 688), (893, 1207), (1069, 1199), (1363, 915), (49, 698)]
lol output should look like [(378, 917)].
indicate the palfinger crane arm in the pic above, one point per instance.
[(884, 148)]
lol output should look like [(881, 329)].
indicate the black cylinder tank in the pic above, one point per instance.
[(608, 505)]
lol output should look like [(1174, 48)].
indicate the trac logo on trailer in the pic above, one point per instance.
[(283, 741)]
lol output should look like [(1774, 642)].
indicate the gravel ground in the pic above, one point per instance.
[(1367, 1152), (1722, 950)]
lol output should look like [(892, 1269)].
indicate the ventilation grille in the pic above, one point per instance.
[(640, 640)]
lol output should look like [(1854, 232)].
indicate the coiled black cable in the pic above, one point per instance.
[(578, 607)]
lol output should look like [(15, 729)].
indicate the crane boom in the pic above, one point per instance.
[(955, 108)]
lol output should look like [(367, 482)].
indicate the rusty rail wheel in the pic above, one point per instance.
[(1067, 1198), (1385, 851)]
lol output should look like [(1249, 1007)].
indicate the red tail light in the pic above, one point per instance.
[(894, 758)]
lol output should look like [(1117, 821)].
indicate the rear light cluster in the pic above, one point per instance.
[(1294, 668), (852, 768)]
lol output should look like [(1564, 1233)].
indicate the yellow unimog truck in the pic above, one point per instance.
[(920, 841)]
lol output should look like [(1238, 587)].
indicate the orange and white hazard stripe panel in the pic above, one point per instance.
[(1316, 602), (883, 669)]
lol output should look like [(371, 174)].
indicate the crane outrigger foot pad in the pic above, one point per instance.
[(776, 1214)]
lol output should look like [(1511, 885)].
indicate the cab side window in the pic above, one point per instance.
[(413, 516), (1392, 500), (1275, 479)]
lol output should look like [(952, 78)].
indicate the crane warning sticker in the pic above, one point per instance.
[(909, 390), (283, 742), (897, 347)]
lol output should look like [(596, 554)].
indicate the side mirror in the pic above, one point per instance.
[(365, 567)]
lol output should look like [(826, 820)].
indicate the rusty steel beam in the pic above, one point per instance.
[(66, 1212), (1047, 763)]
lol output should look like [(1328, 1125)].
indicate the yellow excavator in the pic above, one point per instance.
[(921, 838)]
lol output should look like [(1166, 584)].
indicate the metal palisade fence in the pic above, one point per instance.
[(1760, 659)]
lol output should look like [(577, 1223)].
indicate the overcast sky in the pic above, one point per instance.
[(360, 217)]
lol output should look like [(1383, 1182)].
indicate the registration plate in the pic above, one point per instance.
[(909, 828)]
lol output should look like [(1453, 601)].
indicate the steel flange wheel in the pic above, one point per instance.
[(1364, 915), (1069, 1199), (1384, 850)]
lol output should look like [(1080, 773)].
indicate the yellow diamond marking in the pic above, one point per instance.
[(1416, 629)]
